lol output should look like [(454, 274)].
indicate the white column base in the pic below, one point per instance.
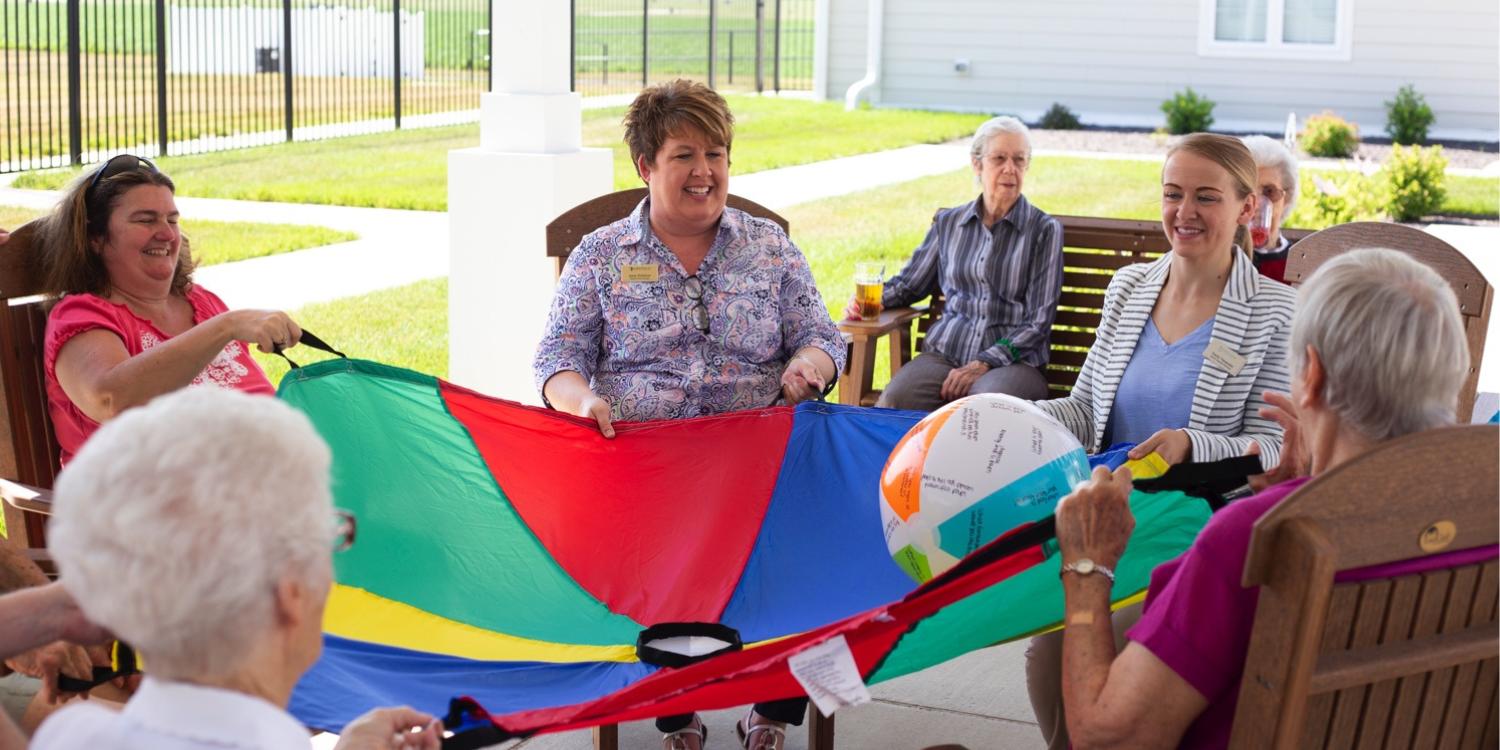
[(500, 281)]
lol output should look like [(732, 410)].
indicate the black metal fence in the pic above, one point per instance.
[(747, 45), (80, 79), (83, 78)]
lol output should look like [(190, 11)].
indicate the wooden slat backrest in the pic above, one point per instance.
[(1410, 659), (28, 446), (1093, 250), (1475, 294), (567, 229)]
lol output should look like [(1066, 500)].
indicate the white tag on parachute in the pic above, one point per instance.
[(829, 675)]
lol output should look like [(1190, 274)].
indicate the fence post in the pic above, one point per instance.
[(605, 82), (776, 63), (162, 134), (489, 40), (713, 41), (760, 46), (396, 14), (731, 57), (286, 62), (75, 89), (572, 45), (645, 43)]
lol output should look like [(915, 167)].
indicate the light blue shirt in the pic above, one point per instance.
[(1156, 389)]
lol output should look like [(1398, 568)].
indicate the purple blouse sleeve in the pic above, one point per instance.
[(573, 336)]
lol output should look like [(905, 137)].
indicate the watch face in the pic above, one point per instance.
[(1084, 566)]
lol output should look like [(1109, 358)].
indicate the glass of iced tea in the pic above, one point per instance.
[(869, 283), (1260, 222)]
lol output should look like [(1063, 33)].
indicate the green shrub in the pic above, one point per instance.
[(1328, 198), (1329, 135), (1414, 181), (1059, 118), (1188, 113), (1408, 117)]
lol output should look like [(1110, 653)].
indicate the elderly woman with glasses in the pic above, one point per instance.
[(687, 308), (1276, 181), (209, 551), (999, 262), (128, 323)]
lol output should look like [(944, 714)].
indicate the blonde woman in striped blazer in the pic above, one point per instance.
[(1205, 284), (1187, 346)]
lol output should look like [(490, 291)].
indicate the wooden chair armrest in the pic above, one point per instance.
[(890, 320), (43, 560), (26, 497)]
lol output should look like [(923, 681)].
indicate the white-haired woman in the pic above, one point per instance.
[(1276, 181), (1378, 352), (209, 551), (999, 262)]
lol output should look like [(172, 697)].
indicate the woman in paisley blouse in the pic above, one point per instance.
[(128, 324), (687, 308)]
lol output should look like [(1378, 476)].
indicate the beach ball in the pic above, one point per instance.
[(970, 472)]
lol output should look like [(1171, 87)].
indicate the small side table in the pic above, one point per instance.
[(858, 379)]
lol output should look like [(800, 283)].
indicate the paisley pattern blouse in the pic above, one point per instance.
[(634, 333)]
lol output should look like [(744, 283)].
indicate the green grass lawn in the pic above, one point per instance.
[(1473, 196), (406, 326), (216, 242), (409, 169)]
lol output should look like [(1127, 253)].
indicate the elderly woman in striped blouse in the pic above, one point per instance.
[(1187, 348), (999, 262)]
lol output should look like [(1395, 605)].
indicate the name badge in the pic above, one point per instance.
[(1223, 357), (644, 272)]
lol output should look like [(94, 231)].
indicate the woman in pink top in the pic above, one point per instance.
[(128, 323)]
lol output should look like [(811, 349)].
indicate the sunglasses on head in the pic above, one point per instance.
[(119, 165)]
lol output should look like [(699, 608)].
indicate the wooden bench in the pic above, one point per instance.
[(1093, 249)]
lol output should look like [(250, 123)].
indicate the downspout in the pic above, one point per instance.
[(873, 50)]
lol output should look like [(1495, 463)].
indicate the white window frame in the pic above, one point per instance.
[(1274, 48)]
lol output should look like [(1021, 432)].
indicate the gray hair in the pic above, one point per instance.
[(177, 520), (1269, 152), (993, 127), (1387, 331)]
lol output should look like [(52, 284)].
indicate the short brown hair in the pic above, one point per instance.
[(67, 264), (665, 110), (1231, 154)]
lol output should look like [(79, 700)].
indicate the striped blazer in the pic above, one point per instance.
[(1254, 319)]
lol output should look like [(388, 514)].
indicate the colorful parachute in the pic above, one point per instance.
[(514, 555)]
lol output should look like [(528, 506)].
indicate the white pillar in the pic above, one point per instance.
[(529, 167)]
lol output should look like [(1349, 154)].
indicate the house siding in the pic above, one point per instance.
[(1113, 63)]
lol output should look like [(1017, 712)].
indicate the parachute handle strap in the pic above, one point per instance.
[(309, 339), (1218, 482), (472, 727), (123, 663), (661, 658)]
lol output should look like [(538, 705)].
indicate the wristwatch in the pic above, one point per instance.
[(1086, 567)]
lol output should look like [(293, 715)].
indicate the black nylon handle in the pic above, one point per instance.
[(310, 339)]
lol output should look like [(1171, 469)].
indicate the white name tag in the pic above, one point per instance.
[(1223, 357)]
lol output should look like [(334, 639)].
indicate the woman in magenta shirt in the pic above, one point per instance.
[(1378, 351), (128, 323)]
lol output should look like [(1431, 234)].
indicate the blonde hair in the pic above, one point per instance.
[(665, 110), (1231, 154)]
